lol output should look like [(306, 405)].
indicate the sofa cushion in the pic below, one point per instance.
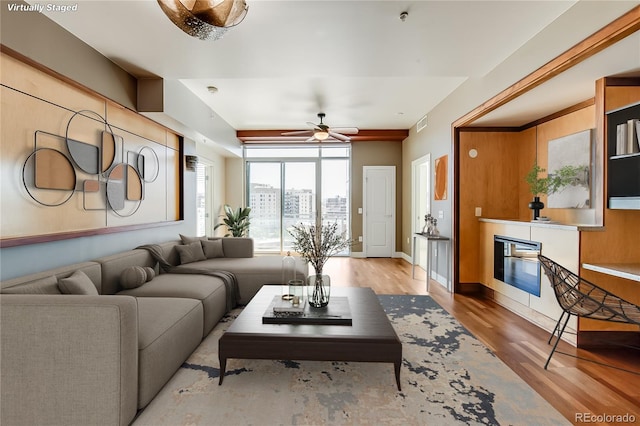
[(47, 285), (151, 273), (190, 252), (133, 277), (209, 290), (251, 273), (212, 249), (169, 330), (42, 279), (188, 240), (77, 283)]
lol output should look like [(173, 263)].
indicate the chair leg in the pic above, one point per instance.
[(556, 328), (557, 341)]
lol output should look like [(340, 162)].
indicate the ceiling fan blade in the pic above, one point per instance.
[(311, 139), (345, 130), (298, 133), (314, 125), (338, 136)]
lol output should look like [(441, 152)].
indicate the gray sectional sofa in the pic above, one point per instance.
[(98, 356)]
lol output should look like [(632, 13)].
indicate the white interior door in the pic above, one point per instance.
[(379, 211)]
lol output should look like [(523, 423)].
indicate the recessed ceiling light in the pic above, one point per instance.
[(212, 89)]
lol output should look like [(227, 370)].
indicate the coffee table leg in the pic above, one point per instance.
[(223, 367), (397, 366)]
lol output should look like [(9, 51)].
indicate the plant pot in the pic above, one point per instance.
[(536, 205), (318, 290)]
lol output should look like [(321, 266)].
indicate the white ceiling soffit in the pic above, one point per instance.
[(576, 85), (354, 60)]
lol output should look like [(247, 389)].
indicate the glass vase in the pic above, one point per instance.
[(318, 290)]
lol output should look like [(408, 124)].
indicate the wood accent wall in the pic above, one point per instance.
[(34, 100), (618, 242), (491, 181), (494, 180), (574, 122)]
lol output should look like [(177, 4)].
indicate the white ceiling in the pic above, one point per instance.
[(354, 60)]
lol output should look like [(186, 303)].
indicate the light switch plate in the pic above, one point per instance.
[(478, 211)]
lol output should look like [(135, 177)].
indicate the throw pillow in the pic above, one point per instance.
[(77, 283), (191, 252), (188, 240), (151, 273), (212, 248), (133, 277)]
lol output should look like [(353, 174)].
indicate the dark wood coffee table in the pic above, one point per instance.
[(370, 338)]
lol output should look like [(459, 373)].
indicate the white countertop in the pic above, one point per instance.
[(543, 224), (630, 271)]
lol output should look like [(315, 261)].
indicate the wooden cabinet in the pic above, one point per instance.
[(623, 165)]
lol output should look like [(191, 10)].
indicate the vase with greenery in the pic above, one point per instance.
[(537, 185), (237, 221), (316, 244)]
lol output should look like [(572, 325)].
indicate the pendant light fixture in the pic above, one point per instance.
[(205, 19)]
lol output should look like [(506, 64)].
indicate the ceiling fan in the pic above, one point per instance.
[(321, 132)]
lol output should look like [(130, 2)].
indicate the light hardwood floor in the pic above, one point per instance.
[(573, 386)]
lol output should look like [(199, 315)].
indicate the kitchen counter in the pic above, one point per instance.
[(545, 224)]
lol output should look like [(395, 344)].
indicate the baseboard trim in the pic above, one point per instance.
[(470, 288), (608, 339), (395, 254)]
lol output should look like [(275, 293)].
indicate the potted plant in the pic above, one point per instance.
[(236, 221), (537, 185), (316, 244)]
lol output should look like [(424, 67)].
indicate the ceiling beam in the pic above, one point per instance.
[(275, 136)]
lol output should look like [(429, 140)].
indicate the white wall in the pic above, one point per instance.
[(582, 20)]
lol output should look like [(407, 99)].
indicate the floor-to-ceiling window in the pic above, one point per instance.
[(289, 185)]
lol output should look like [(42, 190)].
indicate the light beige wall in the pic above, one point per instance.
[(374, 154), (234, 184), (219, 177)]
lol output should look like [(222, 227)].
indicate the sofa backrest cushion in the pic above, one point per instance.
[(46, 285), (77, 283), (212, 248), (236, 246), (191, 252), (46, 282), (112, 267)]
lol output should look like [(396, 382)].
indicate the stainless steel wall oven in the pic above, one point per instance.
[(515, 262)]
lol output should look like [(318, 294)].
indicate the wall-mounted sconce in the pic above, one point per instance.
[(191, 162)]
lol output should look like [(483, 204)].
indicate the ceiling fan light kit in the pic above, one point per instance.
[(321, 132), (205, 19)]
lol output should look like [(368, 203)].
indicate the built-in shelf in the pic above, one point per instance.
[(630, 271), (623, 171)]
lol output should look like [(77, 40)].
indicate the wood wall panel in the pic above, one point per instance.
[(489, 181), (41, 102), (566, 125), (621, 96), (21, 117), (618, 242), (37, 83), (123, 118)]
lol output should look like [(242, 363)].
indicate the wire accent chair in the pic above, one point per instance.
[(582, 298)]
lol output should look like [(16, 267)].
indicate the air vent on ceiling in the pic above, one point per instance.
[(422, 123)]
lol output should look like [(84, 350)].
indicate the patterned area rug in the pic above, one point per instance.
[(448, 377)]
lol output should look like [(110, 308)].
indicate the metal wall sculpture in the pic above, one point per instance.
[(51, 176)]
